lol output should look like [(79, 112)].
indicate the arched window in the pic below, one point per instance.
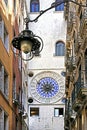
[(34, 6), (59, 7), (60, 49)]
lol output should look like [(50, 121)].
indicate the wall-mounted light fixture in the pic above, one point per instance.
[(27, 42)]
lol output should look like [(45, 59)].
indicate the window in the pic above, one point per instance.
[(14, 6), (60, 49), (14, 83), (1, 77), (16, 120), (19, 63), (81, 16), (20, 93), (75, 45), (15, 95), (6, 39), (3, 120), (34, 111), (1, 28), (14, 49), (58, 112), (4, 81), (34, 6), (59, 7), (4, 34)]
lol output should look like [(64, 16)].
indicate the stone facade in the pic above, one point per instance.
[(5, 67), (51, 27), (11, 118), (76, 67)]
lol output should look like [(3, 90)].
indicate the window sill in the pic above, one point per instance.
[(34, 12), (58, 56), (58, 11), (58, 116)]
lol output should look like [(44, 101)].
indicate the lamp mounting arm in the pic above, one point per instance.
[(53, 5)]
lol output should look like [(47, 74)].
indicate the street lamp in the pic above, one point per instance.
[(27, 42)]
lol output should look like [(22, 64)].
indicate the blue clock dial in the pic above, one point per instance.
[(47, 87)]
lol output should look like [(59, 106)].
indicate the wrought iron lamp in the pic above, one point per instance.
[(29, 43)]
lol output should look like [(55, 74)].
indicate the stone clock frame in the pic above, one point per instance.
[(56, 78)]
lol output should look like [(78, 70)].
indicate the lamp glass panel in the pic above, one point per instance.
[(26, 46)]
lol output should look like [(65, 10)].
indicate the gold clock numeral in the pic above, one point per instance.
[(37, 96), (33, 84), (62, 90), (62, 86), (41, 99), (47, 100), (59, 94)]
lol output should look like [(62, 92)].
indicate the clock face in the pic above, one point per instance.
[(47, 87)]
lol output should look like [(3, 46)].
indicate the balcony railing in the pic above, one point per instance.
[(70, 114), (79, 94), (71, 21), (78, 43), (83, 24), (78, 87), (71, 63)]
